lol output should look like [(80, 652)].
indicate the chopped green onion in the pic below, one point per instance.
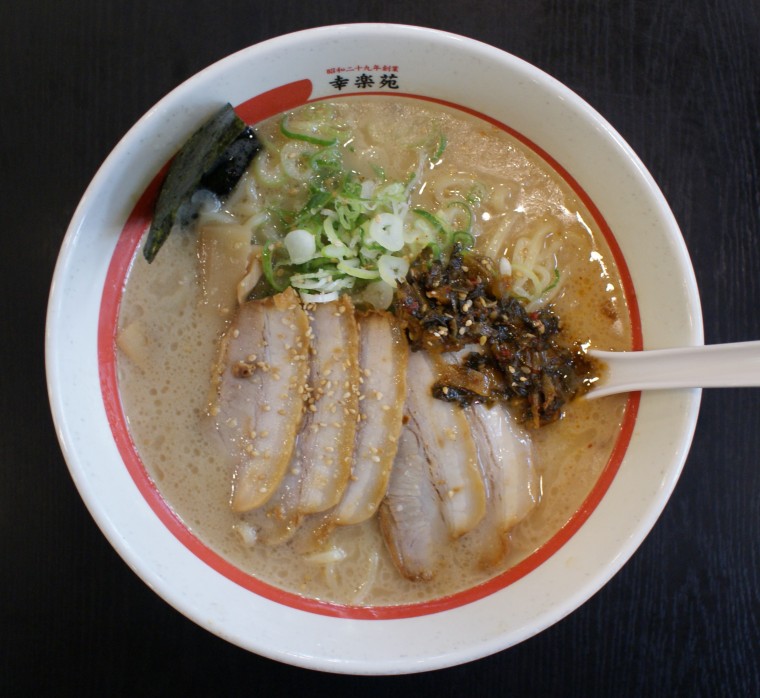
[(319, 297), (268, 266), (322, 281), (330, 231), (467, 210), (387, 229), (301, 245), (430, 218), (442, 143), (314, 140), (464, 238), (436, 223), (392, 269), (553, 283), (370, 251), (327, 162), (347, 267), (295, 159), (435, 248), (337, 252)]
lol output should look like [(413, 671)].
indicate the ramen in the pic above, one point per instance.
[(266, 375)]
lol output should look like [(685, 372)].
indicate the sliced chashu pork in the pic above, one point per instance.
[(436, 491), (445, 435), (326, 441), (383, 357), (410, 514), (257, 398), (505, 455), (318, 471), (278, 519), (410, 526)]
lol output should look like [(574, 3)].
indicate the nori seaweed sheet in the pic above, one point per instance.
[(214, 153)]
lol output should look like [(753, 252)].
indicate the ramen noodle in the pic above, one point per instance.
[(439, 515)]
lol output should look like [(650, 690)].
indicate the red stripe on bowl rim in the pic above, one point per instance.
[(253, 110)]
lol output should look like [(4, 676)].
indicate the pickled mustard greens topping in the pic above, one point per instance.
[(213, 158), (510, 354)]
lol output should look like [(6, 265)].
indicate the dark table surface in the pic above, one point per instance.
[(679, 80)]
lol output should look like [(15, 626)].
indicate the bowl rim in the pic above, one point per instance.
[(157, 581)]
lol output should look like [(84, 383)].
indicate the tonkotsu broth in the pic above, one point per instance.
[(172, 340)]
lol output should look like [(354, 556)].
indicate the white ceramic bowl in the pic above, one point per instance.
[(84, 300)]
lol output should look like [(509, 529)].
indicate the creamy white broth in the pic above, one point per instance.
[(172, 337)]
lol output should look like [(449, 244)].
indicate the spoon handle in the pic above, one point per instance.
[(712, 366)]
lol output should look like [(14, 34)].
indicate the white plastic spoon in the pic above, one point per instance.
[(712, 366)]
